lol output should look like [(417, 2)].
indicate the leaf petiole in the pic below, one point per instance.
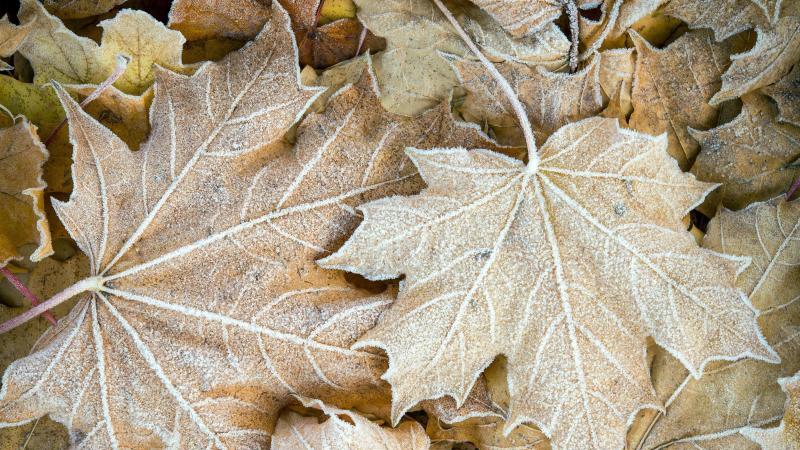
[(20, 286), (88, 284)]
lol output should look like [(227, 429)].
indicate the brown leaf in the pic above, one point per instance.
[(344, 430), (488, 434), (725, 17), (787, 435), (776, 50), (617, 67), (22, 187), (672, 88), (564, 268), (711, 411), (320, 46), (11, 36), (786, 94), (752, 155), (631, 12), (78, 9), (326, 45), (205, 19), (551, 99)]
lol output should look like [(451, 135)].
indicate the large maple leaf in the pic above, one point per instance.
[(564, 267), (205, 309)]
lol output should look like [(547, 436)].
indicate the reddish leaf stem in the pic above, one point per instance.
[(793, 188), (18, 285), (87, 284)]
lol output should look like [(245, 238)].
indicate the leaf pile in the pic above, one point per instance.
[(299, 224)]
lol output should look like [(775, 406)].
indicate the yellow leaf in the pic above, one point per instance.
[(22, 187)]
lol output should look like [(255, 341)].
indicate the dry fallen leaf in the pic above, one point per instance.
[(551, 99), (786, 94), (205, 19), (22, 188), (725, 17), (344, 430), (787, 435), (709, 412), (487, 434), (752, 155), (78, 9), (11, 36), (776, 50), (325, 45), (672, 87), (124, 114), (631, 12), (564, 268), (616, 76), (523, 17), (320, 45), (202, 245), (412, 74)]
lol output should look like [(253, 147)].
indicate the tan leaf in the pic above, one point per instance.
[(616, 76), (672, 87), (204, 19), (564, 268), (551, 99), (592, 32), (479, 404), (11, 36), (710, 412), (78, 9), (725, 17), (487, 434), (787, 435), (631, 12), (201, 247), (412, 74), (524, 17), (21, 185), (786, 94), (776, 50), (345, 430), (752, 155), (124, 114)]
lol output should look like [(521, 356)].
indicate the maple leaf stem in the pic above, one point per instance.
[(88, 284), (519, 110), (122, 64), (574, 34), (20, 286), (793, 188)]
